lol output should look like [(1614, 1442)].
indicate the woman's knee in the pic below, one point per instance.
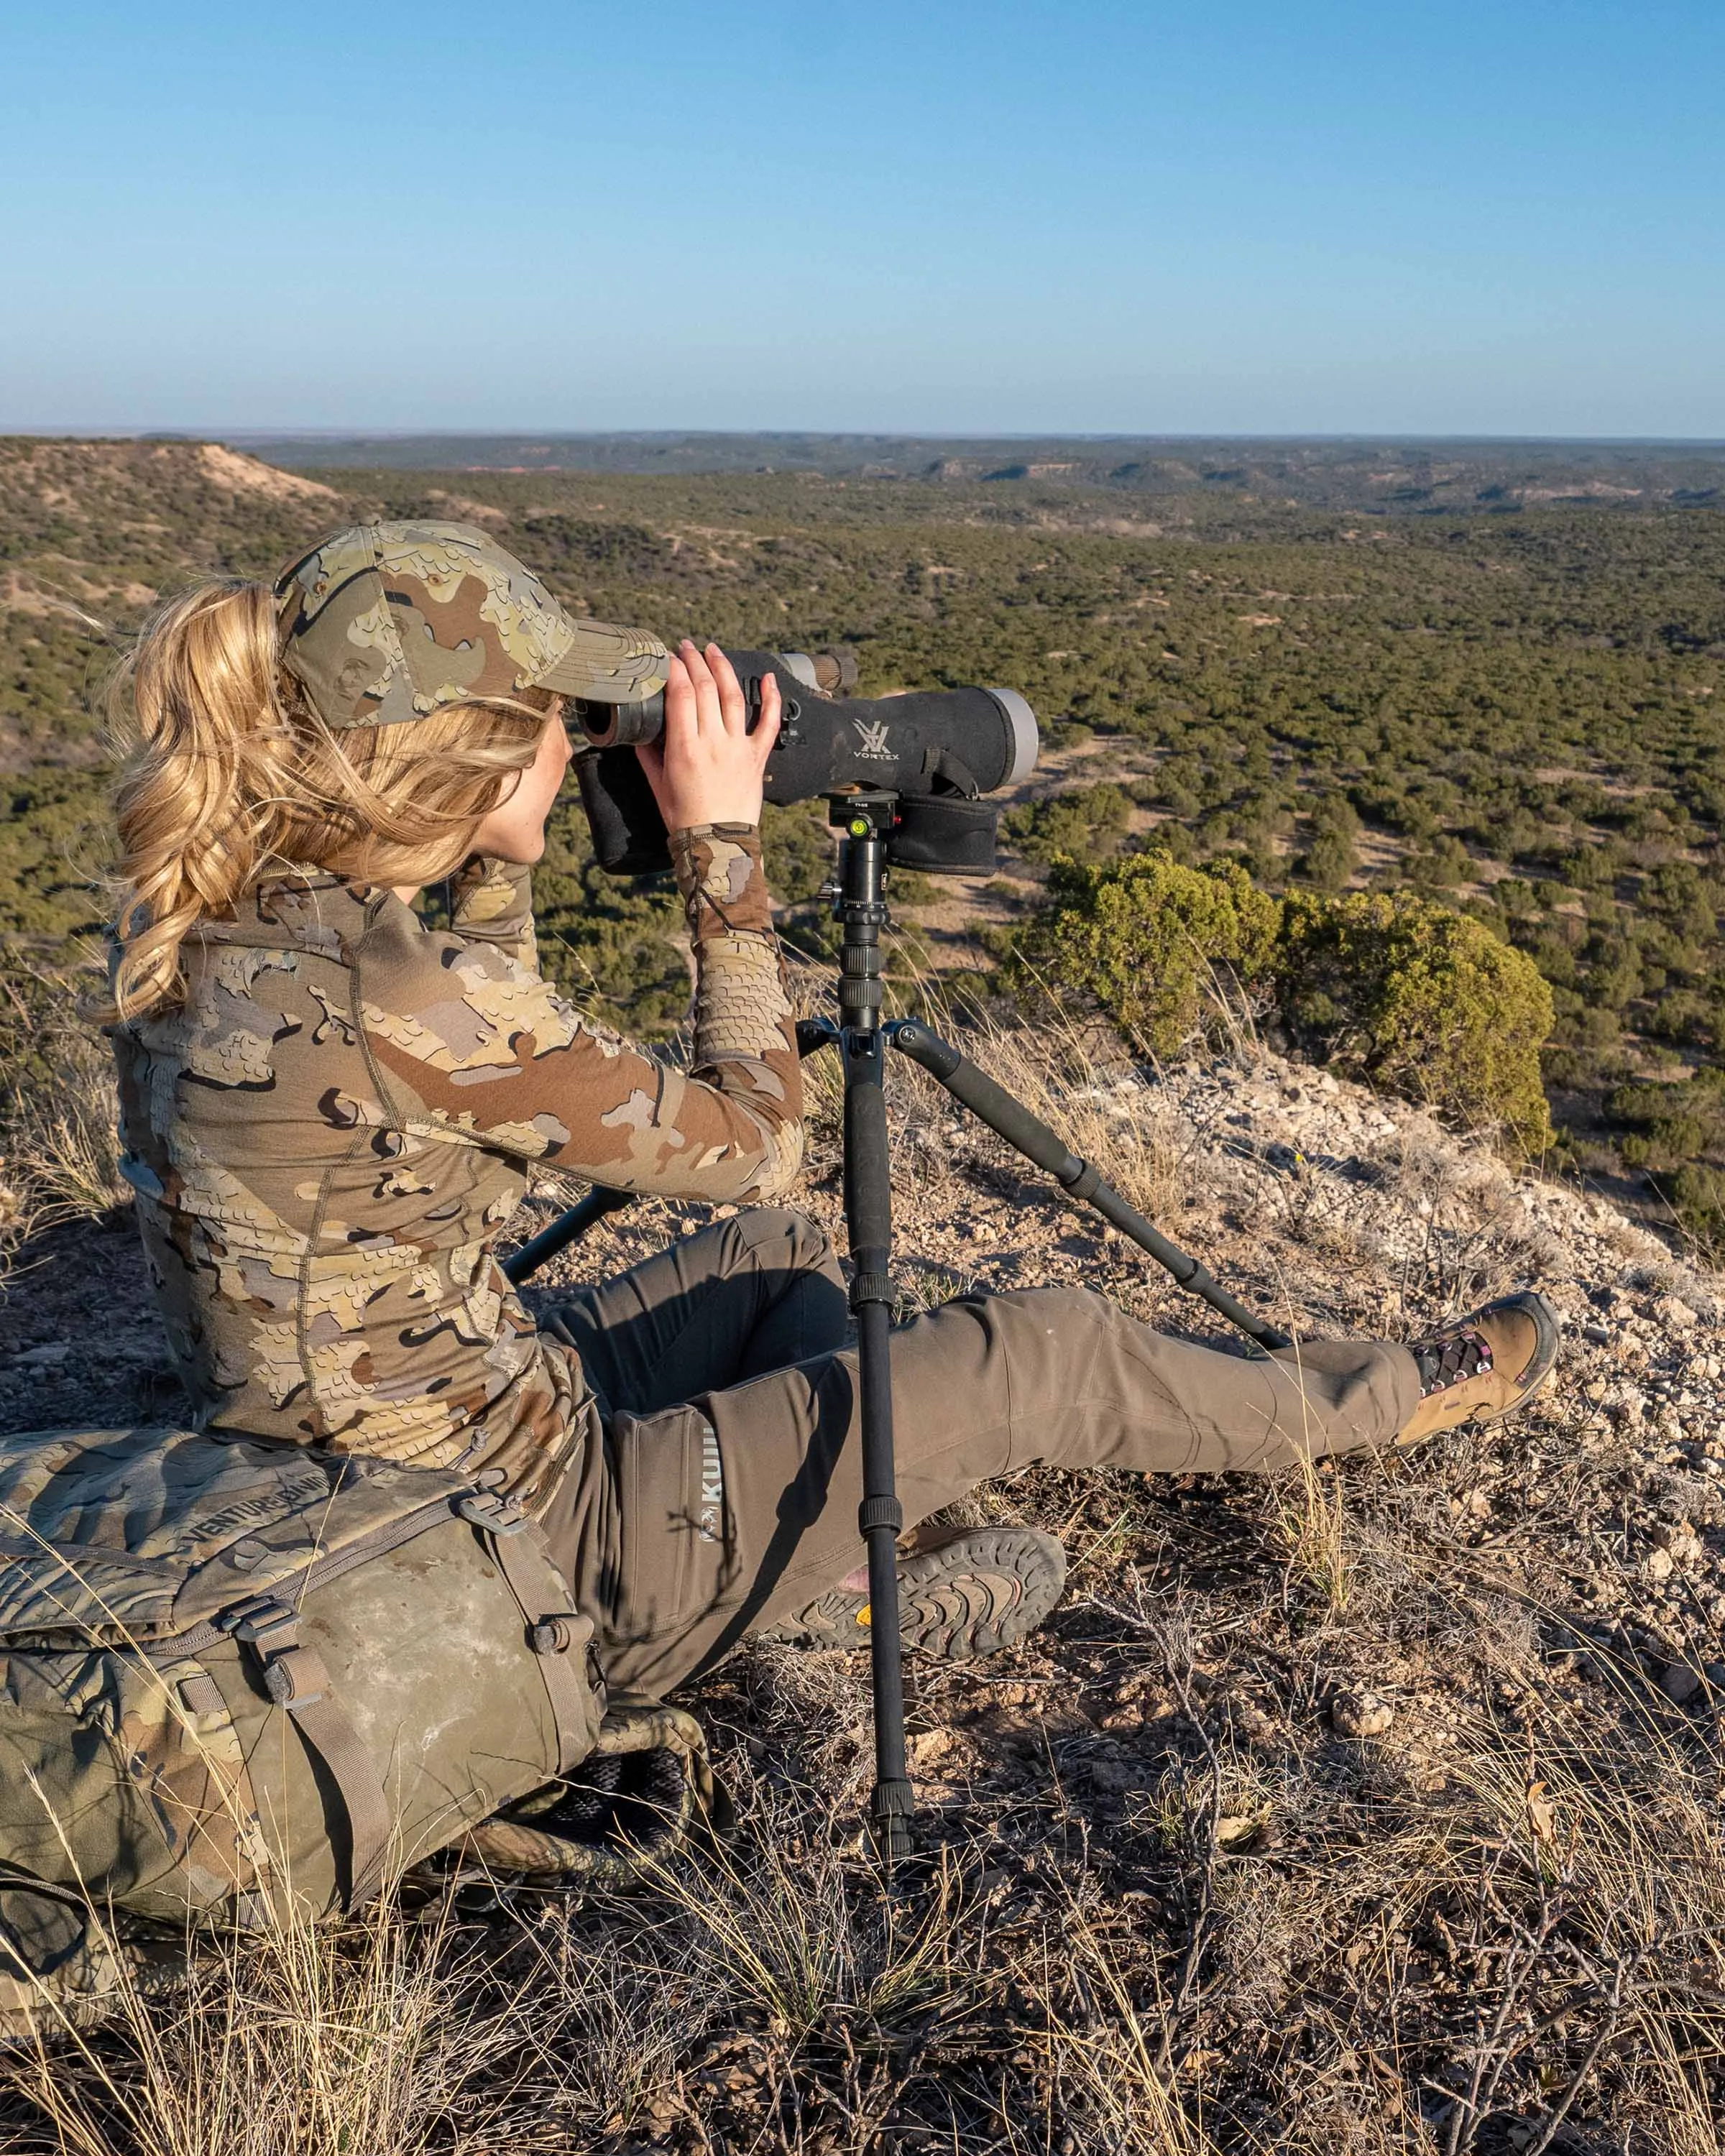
[(784, 1240), (1069, 1313)]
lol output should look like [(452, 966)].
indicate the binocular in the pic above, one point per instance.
[(938, 750)]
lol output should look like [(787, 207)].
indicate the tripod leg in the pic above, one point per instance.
[(568, 1227), (868, 1208), (865, 821), (1012, 1119)]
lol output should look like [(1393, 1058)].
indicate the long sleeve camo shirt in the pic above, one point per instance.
[(327, 1136)]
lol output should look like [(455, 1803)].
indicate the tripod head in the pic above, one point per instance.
[(939, 834)]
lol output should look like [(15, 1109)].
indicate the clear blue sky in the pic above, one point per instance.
[(1273, 216)]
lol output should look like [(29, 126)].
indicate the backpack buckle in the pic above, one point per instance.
[(557, 1635), (262, 1623), (492, 1512), (294, 1676)]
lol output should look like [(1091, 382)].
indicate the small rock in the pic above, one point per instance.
[(1600, 1335), (931, 1749), (1360, 1714), (47, 1357), (1679, 1538), (1658, 1564), (1678, 1315), (1115, 1778), (1679, 1683)]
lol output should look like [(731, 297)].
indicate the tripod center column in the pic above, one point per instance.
[(861, 907)]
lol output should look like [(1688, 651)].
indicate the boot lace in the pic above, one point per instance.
[(1451, 1359)]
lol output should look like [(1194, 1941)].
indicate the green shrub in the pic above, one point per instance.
[(1396, 990), (1329, 860), (1418, 1000), (1088, 823), (1147, 940), (1441, 866), (1670, 1124), (1698, 1196)]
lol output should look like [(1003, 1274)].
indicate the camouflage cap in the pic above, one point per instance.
[(385, 622)]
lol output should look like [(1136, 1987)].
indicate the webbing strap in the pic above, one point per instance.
[(557, 1637), (295, 1678), (329, 1732)]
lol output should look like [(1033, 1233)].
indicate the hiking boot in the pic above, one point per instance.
[(963, 1592), (1484, 1366)]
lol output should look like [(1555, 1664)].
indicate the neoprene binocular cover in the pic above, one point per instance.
[(938, 750)]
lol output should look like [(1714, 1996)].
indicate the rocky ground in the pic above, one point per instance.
[(1371, 1808)]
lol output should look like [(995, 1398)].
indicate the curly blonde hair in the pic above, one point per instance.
[(231, 775)]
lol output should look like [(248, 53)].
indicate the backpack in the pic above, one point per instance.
[(230, 1669)]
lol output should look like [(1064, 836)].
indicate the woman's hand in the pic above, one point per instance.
[(707, 767)]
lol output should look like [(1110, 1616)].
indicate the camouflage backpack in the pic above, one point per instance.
[(230, 1669)]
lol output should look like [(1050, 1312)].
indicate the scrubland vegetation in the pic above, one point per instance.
[(1312, 666)]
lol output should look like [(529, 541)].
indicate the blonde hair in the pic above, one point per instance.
[(231, 775)]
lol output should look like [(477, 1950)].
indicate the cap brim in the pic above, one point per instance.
[(606, 664)]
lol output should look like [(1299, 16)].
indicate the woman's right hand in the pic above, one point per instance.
[(707, 767)]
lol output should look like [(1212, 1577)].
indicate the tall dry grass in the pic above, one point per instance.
[(295, 2038), (58, 1147)]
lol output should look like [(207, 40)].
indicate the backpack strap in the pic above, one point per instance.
[(295, 1678), (557, 1636)]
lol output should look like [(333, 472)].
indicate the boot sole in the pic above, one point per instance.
[(982, 1592)]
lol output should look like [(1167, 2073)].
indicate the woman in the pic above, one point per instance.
[(330, 1110)]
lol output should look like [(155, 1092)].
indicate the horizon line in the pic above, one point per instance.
[(54, 432)]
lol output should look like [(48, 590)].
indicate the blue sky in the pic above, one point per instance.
[(1269, 216)]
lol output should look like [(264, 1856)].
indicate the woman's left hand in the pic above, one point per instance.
[(707, 767)]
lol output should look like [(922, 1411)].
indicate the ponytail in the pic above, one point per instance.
[(190, 809), (231, 775)]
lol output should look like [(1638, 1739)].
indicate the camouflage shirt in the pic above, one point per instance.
[(327, 1136)]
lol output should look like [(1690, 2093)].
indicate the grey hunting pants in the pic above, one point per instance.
[(724, 1495)]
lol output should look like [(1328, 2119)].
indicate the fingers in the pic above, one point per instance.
[(733, 704), (679, 694), (710, 714), (766, 733), (707, 767)]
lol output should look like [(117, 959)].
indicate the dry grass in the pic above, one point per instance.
[(58, 1150), (1169, 1905), (298, 2039)]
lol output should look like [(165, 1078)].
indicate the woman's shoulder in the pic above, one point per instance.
[(451, 1000)]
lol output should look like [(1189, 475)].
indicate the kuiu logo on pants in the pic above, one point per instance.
[(712, 1515)]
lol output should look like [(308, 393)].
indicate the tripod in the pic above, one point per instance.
[(865, 822)]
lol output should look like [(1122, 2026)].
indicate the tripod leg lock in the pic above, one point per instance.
[(873, 1287), (889, 1815), (1083, 1183), (880, 1512)]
